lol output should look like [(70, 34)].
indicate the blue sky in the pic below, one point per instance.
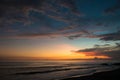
[(78, 23)]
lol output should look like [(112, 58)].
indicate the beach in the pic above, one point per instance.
[(108, 75)]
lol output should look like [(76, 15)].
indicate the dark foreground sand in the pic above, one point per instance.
[(108, 75)]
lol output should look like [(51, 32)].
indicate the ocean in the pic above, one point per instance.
[(52, 70)]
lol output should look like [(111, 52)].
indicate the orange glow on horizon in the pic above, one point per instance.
[(61, 51)]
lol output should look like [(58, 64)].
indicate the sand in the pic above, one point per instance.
[(108, 75)]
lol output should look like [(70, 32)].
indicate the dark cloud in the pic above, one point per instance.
[(29, 12), (82, 33), (111, 36), (99, 50), (71, 5), (67, 3), (32, 35), (115, 36), (96, 48), (11, 30), (113, 9), (50, 14), (18, 10), (118, 44), (54, 34), (114, 52), (12, 11)]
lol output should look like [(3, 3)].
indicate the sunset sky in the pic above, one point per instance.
[(60, 29)]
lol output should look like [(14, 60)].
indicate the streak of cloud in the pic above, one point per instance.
[(102, 50)]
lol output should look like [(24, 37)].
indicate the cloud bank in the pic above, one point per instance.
[(54, 18), (102, 50)]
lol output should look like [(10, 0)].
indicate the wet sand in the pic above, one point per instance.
[(108, 75)]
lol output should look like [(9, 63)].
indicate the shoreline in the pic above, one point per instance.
[(107, 75)]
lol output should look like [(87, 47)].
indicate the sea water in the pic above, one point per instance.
[(51, 69)]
